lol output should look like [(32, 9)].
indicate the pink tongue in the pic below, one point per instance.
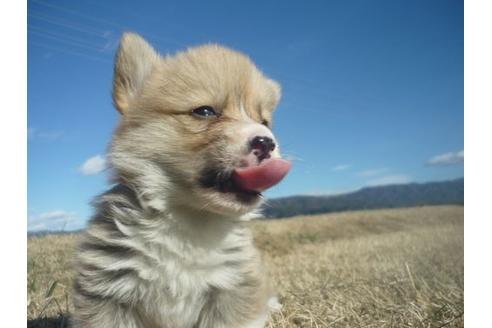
[(263, 176)]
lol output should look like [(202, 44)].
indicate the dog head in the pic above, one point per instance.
[(195, 129)]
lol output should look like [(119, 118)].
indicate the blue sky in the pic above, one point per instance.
[(372, 90)]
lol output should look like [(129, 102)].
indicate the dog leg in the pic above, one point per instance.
[(245, 307), (106, 314), (258, 323)]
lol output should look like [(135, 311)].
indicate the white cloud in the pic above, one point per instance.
[(389, 180), (55, 215), (373, 172), (93, 165), (341, 167), (53, 220), (447, 159)]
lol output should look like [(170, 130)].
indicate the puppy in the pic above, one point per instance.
[(191, 155)]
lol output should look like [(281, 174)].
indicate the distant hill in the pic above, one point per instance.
[(391, 196), (42, 233)]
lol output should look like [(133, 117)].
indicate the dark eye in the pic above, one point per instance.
[(204, 112), (265, 123)]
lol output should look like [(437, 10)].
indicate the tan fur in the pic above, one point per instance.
[(163, 249)]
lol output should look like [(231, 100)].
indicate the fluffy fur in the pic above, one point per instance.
[(166, 247)]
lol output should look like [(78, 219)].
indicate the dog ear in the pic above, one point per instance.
[(134, 62), (275, 91)]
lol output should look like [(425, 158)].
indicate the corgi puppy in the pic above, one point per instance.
[(167, 246)]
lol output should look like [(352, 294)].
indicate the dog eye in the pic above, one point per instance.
[(265, 123), (204, 112)]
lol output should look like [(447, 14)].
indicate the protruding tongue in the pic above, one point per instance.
[(263, 176)]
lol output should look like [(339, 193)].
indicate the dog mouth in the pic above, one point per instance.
[(222, 180), (248, 182)]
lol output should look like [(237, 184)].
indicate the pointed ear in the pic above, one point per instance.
[(135, 61), (275, 92)]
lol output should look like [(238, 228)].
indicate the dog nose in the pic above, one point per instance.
[(262, 147)]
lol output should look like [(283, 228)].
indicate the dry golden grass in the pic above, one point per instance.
[(382, 268)]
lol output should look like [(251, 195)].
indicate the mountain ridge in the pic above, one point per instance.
[(373, 197)]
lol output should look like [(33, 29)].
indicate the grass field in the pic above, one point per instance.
[(381, 268)]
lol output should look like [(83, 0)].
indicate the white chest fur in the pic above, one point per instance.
[(184, 257)]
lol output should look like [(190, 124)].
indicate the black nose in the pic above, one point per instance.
[(262, 147)]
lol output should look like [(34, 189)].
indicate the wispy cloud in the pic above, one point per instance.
[(447, 159), (93, 165), (341, 167), (328, 192), (33, 133), (109, 46), (112, 41), (53, 220), (30, 132), (373, 172), (389, 180)]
